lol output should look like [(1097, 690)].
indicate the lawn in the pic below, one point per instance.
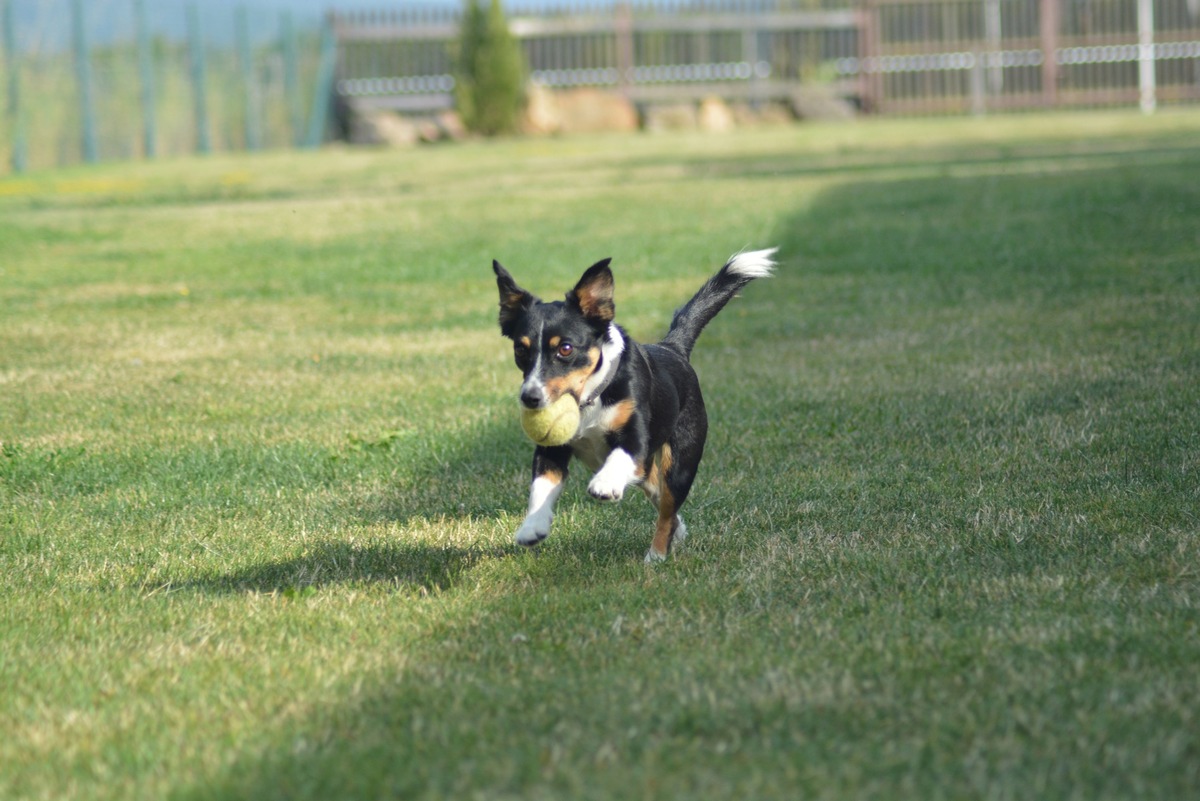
[(260, 465)]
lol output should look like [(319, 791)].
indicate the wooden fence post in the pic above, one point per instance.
[(83, 77), (870, 78), (12, 65), (1050, 20), (199, 94), (146, 75), (623, 28)]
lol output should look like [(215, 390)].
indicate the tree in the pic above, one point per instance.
[(490, 81)]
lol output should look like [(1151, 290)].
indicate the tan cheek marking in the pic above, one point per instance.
[(593, 360), (573, 381)]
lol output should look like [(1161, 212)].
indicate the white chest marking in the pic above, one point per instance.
[(590, 445)]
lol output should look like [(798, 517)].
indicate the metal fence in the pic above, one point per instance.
[(122, 79), (978, 55), (138, 78), (652, 51), (890, 56)]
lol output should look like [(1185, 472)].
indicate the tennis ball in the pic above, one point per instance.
[(553, 425)]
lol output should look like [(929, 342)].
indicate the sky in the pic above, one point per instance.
[(46, 24), (43, 24)]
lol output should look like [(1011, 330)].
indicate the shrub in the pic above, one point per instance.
[(489, 84)]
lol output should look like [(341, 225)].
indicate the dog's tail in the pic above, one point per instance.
[(690, 319)]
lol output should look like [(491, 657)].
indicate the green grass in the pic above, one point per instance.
[(260, 467)]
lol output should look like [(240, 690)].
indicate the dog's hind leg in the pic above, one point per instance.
[(666, 532), (659, 492), (673, 472)]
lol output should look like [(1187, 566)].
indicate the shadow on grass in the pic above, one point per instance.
[(400, 504), (981, 158), (607, 539), (478, 474), (414, 566)]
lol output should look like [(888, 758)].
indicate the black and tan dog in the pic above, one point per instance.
[(642, 418)]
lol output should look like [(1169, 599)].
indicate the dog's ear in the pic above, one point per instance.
[(513, 300), (593, 295)]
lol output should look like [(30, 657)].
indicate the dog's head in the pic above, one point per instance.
[(559, 345)]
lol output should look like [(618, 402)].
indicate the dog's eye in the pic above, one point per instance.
[(565, 350)]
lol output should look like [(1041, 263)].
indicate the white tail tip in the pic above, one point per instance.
[(753, 264)]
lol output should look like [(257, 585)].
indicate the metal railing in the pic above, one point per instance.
[(650, 51), (891, 56), (117, 79), (980, 55)]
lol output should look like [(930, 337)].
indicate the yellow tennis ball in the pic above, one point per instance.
[(553, 425)]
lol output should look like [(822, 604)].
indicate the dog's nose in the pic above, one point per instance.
[(533, 397)]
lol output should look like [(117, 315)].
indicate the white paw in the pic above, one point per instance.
[(653, 557), (542, 495), (680, 534), (610, 481), (532, 532), (607, 487)]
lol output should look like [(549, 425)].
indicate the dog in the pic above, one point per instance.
[(642, 417)]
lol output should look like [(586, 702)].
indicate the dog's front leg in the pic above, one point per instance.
[(618, 472), (549, 475)]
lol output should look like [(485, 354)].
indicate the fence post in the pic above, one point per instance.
[(1049, 19), (83, 77), (246, 57), (1147, 83), (319, 118), (623, 28), (291, 79), (870, 77), (994, 33), (978, 88), (196, 46), (12, 65), (146, 75), (752, 56)]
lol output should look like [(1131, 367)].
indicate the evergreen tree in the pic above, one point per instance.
[(489, 85)]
